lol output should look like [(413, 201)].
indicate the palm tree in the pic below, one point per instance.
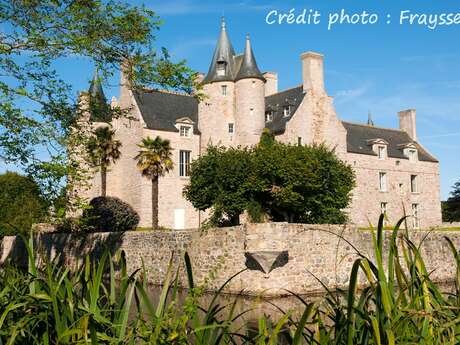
[(154, 160), (103, 149)]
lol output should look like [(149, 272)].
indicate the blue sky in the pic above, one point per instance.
[(382, 68)]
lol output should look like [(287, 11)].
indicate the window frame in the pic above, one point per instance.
[(185, 157), (415, 215), (414, 183), (223, 90), (287, 110), (269, 116), (412, 155), (383, 181), (186, 130), (381, 151)]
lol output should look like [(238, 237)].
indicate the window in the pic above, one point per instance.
[(413, 184), (383, 210), (415, 217), (381, 151), (412, 155), (231, 128), (251, 111), (224, 90), (382, 181), (287, 110), (383, 207), (185, 131), (221, 68), (268, 116), (253, 84), (184, 163), (299, 141)]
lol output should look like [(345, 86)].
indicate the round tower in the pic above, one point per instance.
[(249, 100), (217, 111)]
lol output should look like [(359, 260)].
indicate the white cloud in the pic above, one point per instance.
[(349, 95)]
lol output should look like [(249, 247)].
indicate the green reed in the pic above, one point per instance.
[(390, 299)]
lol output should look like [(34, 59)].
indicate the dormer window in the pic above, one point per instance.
[(381, 151), (410, 151), (220, 68), (412, 154), (286, 110), (185, 131), (268, 116)]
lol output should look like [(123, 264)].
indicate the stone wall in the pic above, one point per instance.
[(313, 252), (367, 197)]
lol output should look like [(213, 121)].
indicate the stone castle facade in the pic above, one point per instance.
[(394, 173)]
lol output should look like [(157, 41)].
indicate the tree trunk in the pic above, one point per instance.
[(155, 203), (103, 181)]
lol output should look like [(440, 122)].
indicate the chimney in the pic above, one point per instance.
[(271, 84), (407, 123), (312, 72)]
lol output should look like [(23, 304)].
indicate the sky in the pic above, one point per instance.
[(380, 68)]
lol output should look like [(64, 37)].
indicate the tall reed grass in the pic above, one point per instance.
[(100, 303)]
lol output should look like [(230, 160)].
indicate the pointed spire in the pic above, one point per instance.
[(222, 65), (249, 67), (95, 88), (370, 122)]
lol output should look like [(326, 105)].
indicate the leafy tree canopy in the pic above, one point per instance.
[(37, 107), (306, 184), (218, 180), (451, 207), (21, 204)]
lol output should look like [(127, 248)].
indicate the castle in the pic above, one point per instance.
[(394, 173)]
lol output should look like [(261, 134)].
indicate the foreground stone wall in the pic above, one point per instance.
[(313, 252)]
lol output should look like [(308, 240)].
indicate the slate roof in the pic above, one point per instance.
[(237, 66), (160, 110), (99, 109), (249, 67), (358, 135), (276, 103)]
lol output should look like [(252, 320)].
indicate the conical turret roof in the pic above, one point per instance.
[(95, 88), (223, 54), (99, 109), (249, 67), (370, 122)]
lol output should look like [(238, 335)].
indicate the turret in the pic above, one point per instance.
[(249, 99), (217, 111), (99, 109)]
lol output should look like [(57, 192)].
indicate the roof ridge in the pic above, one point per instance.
[(169, 92), (291, 88), (369, 126)]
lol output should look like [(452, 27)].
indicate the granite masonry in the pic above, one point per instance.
[(394, 172), (280, 256)]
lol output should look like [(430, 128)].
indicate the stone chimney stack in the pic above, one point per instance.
[(407, 123), (312, 72), (271, 84)]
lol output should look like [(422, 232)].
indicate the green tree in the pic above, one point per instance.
[(21, 204), (218, 181), (103, 149), (451, 207), (306, 184), (153, 161), (37, 107)]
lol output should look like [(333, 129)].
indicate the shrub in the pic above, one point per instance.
[(109, 214)]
